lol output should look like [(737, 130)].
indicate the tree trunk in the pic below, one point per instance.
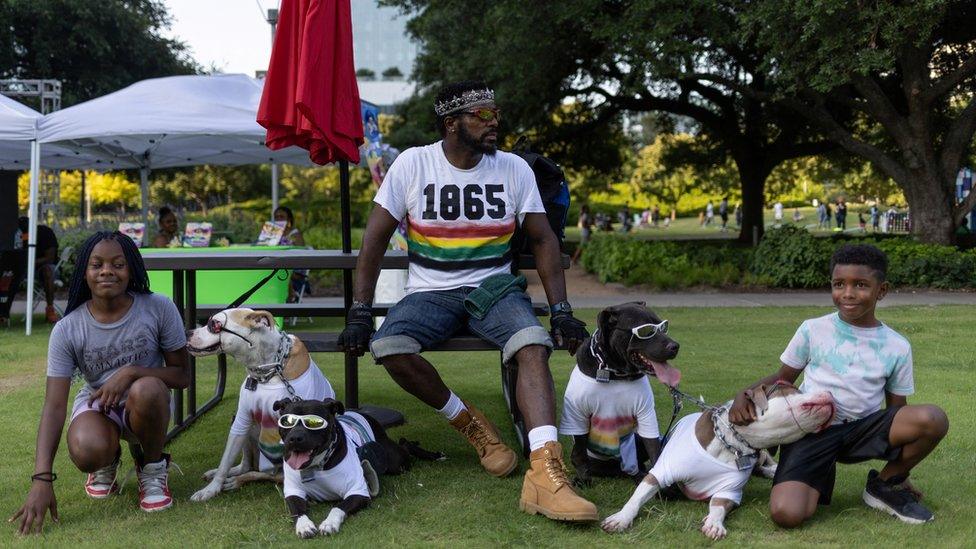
[(752, 178), (930, 208)]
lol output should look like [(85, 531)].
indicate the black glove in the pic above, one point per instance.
[(568, 331), (359, 328)]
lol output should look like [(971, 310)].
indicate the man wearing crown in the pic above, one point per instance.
[(462, 199)]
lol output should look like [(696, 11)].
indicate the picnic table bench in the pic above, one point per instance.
[(184, 269)]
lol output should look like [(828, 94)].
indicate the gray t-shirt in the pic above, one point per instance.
[(96, 351)]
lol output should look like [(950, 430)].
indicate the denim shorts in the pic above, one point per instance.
[(421, 320)]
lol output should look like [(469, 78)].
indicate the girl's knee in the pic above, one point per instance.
[(148, 389), (90, 453)]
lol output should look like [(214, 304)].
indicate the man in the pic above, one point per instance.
[(462, 200), (723, 212)]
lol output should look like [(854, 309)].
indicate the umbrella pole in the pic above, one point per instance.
[(35, 166), (352, 363), (274, 188)]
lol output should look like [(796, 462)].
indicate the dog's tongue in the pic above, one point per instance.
[(666, 373), (297, 459)]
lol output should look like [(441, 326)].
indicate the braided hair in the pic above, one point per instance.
[(78, 290)]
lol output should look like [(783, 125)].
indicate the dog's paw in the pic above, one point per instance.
[(231, 483), (617, 522), (712, 528), (206, 492), (209, 475), (332, 522), (582, 480), (305, 528)]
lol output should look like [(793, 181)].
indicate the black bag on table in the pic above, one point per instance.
[(554, 191)]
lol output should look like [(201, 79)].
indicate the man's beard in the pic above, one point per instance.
[(474, 144)]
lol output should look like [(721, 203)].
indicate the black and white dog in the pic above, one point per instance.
[(334, 455), (608, 406)]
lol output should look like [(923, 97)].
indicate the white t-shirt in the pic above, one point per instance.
[(699, 475), (856, 365), (607, 412), (778, 210), (345, 479), (257, 407), (459, 221)]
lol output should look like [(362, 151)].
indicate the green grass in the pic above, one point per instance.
[(454, 503)]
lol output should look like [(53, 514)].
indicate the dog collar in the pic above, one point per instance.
[(604, 372), (743, 460), (262, 373)]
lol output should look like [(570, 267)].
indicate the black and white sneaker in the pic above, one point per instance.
[(892, 498)]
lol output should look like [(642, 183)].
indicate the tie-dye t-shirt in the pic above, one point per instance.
[(607, 412), (256, 408), (459, 222), (856, 365)]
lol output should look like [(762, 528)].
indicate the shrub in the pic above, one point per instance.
[(928, 265), (792, 257)]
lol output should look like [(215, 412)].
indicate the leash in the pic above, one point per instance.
[(742, 459), (243, 297), (603, 369)]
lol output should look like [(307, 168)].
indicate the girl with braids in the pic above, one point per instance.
[(117, 335)]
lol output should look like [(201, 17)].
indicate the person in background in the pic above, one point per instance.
[(169, 230), (778, 213), (841, 215), (44, 262), (585, 225), (709, 213), (655, 216), (797, 216), (738, 214), (875, 215), (860, 220), (292, 237), (723, 212)]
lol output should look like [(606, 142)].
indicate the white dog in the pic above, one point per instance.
[(709, 458), (278, 366)]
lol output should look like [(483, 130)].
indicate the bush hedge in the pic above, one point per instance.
[(788, 257)]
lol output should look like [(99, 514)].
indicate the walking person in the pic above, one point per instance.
[(585, 224)]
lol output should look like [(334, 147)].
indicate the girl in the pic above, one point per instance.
[(292, 237), (169, 230), (117, 335)]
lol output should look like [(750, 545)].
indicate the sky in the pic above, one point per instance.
[(231, 35)]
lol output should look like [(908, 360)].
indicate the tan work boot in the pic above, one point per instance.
[(499, 460), (547, 490)]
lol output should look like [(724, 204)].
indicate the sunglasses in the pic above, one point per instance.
[(485, 114), (311, 422), (647, 331)]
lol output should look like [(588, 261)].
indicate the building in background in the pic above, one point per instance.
[(379, 39)]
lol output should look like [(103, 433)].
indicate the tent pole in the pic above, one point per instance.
[(144, 186), (81, 203), (274, 188), (35, 167)]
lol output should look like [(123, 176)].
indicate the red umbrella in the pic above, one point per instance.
[(310, 96)]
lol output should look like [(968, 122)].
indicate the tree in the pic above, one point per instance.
[(613, 58), (905, 68), (93, 48), (366, 74), (392, 73)]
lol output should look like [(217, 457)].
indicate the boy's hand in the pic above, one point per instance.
[(743, 411)]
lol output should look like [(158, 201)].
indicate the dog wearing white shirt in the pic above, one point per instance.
[(711, 459), (334, 455), (278, 366)]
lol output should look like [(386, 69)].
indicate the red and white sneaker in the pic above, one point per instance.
[(102, 483), (154, 492)]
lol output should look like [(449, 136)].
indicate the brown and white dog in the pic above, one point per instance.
[(278, 366), (709, 458)]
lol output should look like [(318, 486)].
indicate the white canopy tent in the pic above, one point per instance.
[(170, 122)]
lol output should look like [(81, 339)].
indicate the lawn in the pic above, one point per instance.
[(454, 503)]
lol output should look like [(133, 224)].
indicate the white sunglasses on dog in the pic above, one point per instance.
[(310, 422), (647, 331)]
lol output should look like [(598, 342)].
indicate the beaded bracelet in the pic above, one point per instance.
[(46, 476)]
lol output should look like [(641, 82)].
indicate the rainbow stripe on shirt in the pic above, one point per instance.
[(461, 245), (606, 433)]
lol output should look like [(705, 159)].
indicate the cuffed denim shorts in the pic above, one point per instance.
[(421, 320)]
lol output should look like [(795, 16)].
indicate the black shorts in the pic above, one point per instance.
[(813, 459)]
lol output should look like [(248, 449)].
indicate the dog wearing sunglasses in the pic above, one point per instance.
[(708, 458), (276, 364), (334, 455), (608, 407)]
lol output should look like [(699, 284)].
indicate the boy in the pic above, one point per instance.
[(859, 360)]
